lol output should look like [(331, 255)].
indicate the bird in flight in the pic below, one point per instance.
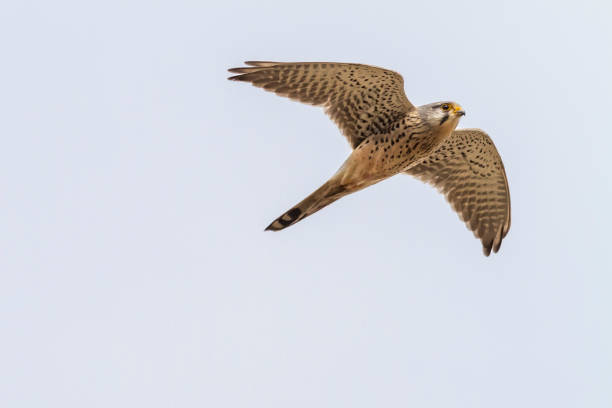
[(389, 136)]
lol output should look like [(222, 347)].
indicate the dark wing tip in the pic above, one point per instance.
[(246, 73), (486, 248), (246, 77), (243, 71), (498, 239)]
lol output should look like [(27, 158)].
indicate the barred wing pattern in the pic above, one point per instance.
[(468, 170), (361, 99)]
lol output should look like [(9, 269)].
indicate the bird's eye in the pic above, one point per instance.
[(445, 107)]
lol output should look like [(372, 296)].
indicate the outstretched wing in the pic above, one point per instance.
[(361, 99), (468, 170)]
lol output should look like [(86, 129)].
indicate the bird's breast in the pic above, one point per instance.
[(387, 154)]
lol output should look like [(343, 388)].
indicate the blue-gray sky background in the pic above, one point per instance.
[(136, 182)]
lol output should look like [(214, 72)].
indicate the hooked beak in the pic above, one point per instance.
[(459, 110)]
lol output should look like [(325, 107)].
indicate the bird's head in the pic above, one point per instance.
[(444, 115)]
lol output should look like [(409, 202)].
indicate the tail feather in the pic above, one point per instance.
[(322, 197)]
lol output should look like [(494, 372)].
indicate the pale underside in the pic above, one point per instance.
[(365, 101)]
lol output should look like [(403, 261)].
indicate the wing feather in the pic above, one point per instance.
[(361, 99), (468, 170)]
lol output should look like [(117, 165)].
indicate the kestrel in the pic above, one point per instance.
[(389, 136)]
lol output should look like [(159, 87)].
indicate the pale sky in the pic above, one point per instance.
[(137, 181)]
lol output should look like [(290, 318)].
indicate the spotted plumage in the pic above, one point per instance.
[(389, 136)]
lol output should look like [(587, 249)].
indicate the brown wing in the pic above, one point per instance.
[(361, 99), (468, 170)]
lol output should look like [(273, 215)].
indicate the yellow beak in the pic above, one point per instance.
[(458, 110)]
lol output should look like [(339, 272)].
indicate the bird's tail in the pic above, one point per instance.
[(329, 192)]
